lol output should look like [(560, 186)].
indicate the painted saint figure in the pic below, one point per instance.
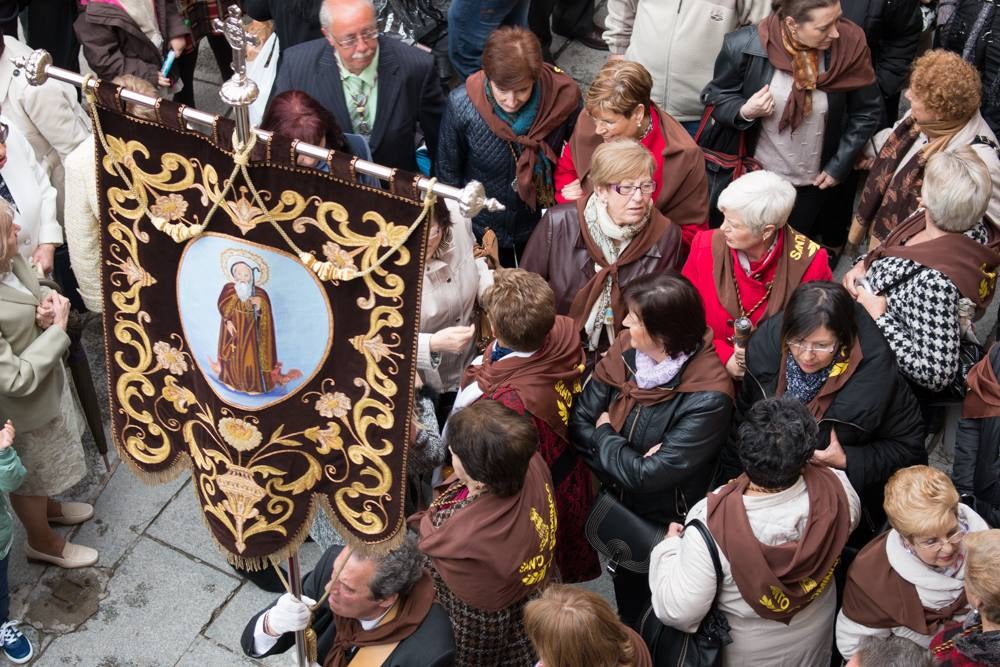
[(247, 353)]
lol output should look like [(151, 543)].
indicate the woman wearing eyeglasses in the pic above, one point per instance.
[(909, 581), (588, 249), (828, 354), (618, 106)]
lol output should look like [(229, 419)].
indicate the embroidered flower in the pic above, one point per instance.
[(244, 213), (170, 207), (340, 258), (335, 405), (133, 272), (374, 347), (180, 397), (239, 434), (328, 438), (170, 358)]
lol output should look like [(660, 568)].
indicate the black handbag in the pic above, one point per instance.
[(624, 538), (702, 648), (727, 157)]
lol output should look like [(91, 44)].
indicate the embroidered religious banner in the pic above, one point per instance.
[(260, 326)]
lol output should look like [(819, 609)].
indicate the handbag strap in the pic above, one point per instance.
[(709, 108), (713, 551)]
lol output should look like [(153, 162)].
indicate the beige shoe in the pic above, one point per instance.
[(73, 513), (73, 556)]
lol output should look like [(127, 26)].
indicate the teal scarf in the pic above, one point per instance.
[(520, 122)]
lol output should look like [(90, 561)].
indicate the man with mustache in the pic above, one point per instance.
[(378, 610), (374, 86)]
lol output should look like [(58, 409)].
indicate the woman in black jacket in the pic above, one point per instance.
[(653, 417), (802, 84), (505, 128), (827, 352), (976, 472)]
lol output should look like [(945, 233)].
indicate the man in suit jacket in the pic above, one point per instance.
[(379, 610), (374, 86)]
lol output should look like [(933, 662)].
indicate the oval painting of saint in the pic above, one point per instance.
[(256, 320)]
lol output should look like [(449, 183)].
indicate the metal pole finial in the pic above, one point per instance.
[(238, 91)]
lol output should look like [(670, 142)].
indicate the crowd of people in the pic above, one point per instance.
[(599, 343)]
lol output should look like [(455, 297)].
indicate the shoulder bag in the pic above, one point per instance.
[(702, 648), (726, 159), (620, 535)]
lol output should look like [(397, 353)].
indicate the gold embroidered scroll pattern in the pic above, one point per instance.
[(235, 483), (535, 568)]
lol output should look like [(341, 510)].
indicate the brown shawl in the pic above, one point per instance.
[(850, 67), (780, 581), (983, 399), (683, 193), (839, 375), (560, 99), (537, 379), (588, 295), (495, 551), (792, 265), (876, 596), (702, 372), (970, 265), (410, 612)]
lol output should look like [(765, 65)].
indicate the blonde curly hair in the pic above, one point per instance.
[(947, 85)]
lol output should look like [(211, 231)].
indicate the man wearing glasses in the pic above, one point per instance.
[(374, 86)]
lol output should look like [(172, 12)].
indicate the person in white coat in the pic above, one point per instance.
[(25, 185), (910, 581), (779, 529)]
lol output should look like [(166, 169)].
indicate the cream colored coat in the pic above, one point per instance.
[(34, 195), (48, 116), (682, 581), (82, 224), (31, 370)]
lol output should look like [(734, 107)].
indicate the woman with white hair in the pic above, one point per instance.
[(913, 283), (750, 266)]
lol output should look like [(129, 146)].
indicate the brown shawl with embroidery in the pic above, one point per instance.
[(850, 67), (970, 265), (983, 399), (876, 596), (588, 295), (535, 378), (495, 551), (839, 375), (781, 580), (410, 612), (560, 98), (792, 265), (702, 372)]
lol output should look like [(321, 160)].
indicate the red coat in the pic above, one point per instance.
[(699, 270), (685, 207)]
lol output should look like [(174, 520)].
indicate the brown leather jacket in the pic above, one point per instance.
[(556, 251), (114, 44)]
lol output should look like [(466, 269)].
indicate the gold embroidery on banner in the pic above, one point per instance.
[(161, 415)]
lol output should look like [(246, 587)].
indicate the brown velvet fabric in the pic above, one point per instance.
[(311, 393), (983, 399)]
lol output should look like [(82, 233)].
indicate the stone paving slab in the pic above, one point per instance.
[(181, 524), (156, 604), (206, 653)]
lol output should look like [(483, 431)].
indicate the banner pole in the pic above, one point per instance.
[(295, 583)]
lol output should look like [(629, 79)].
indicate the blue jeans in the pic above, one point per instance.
[(470, 23)]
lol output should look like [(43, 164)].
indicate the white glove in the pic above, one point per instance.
[(288, 614)]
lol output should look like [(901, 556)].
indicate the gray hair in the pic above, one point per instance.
[(760, 198), (957, 189), (325, 17), (892, 651), (397, 571)]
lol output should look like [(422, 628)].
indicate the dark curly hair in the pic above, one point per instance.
[(776, 439)]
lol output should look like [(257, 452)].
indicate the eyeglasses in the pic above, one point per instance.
[(628, 190), (366, 35), (936, 543), (4, 131), (802, 346)]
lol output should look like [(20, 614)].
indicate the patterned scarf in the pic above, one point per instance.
[(611, 239), (805, 66), (801, 385), (649, 373)]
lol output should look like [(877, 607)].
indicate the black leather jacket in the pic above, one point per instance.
[(661, 487), (976, 471), (877, 418), (742, 68)]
